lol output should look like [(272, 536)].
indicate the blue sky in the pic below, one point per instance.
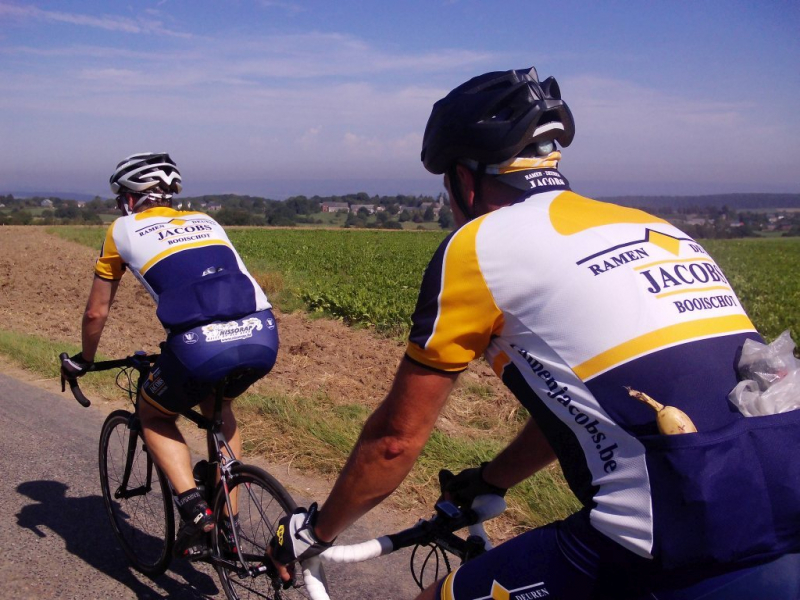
[(285, 97)]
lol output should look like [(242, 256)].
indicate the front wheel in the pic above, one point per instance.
[(137, 495), (260, 501)]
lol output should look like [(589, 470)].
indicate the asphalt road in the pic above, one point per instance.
[(54, 533)]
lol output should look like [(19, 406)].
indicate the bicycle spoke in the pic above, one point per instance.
[(252, 592)]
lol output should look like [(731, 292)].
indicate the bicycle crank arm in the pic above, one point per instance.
[(139, 491)]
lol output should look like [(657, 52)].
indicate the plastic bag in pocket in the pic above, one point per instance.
[(768, 364), (770, 378)]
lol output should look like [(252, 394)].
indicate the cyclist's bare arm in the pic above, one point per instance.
[(96, 314), (525, 455), (388, 446)]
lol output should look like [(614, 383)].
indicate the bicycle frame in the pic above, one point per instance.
[(122, 491), (225, 465)]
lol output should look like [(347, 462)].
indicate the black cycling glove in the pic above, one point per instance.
[(467, 485), (295, 539), (75, 366)]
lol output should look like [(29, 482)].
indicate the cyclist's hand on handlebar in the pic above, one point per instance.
[(295, 540), (463, 488), (75, 366)]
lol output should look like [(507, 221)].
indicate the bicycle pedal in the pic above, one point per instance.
[(197, 553)]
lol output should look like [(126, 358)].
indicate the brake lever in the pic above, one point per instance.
[(73, 386)]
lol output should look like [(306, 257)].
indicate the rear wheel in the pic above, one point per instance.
[(140, 512), (262, 501)]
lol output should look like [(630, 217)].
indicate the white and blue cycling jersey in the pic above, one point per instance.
[(572, 301), (187, 264)]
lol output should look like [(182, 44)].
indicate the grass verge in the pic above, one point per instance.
[(40, 356)]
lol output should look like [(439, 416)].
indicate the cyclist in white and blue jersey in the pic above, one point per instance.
[(217, 320), (571, 301)]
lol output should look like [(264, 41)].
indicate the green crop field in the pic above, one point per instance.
[(365, 277), (765, 273), (371, 277)]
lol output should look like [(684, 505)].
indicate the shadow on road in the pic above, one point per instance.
[(83, 525)]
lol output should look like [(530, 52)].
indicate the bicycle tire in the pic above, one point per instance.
[(144, 524), (262, 502)]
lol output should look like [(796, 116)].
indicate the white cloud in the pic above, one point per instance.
[(90, 52), (328, 55), (309, 138), (108, 23), (667, 123), (112, 76)]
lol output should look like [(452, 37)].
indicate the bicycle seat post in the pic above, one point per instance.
[(216, 440)]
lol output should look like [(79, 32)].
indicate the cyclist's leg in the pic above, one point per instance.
[(166, 445), (431, 592), (166, 392), (230, 427)]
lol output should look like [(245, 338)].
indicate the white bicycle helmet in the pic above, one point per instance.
[(153, 176)]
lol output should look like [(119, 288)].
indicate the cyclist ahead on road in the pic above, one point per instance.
[(571, 301), (217, 319)]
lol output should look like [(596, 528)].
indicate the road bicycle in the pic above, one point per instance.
[(139, 502), (139, 499)]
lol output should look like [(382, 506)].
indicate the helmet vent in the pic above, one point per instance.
[(493, 117)]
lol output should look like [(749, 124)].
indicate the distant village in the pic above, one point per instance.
[(717, 220)]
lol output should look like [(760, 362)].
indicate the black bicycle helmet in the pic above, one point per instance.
[(141, 173), (492, 117)]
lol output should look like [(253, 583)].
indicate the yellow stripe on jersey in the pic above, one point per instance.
[(178, 248), (109, 265), (468, 315), (661, 338), (571, 213), (446, 592), (166, 211), (713, 288), (667, 242), (670, 261)]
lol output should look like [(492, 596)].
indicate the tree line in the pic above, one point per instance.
[(392, 212)]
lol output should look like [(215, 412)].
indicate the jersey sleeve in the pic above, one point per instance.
[(109, 265), (456, 315)]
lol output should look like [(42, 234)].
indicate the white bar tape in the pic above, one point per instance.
[(358, 552)]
